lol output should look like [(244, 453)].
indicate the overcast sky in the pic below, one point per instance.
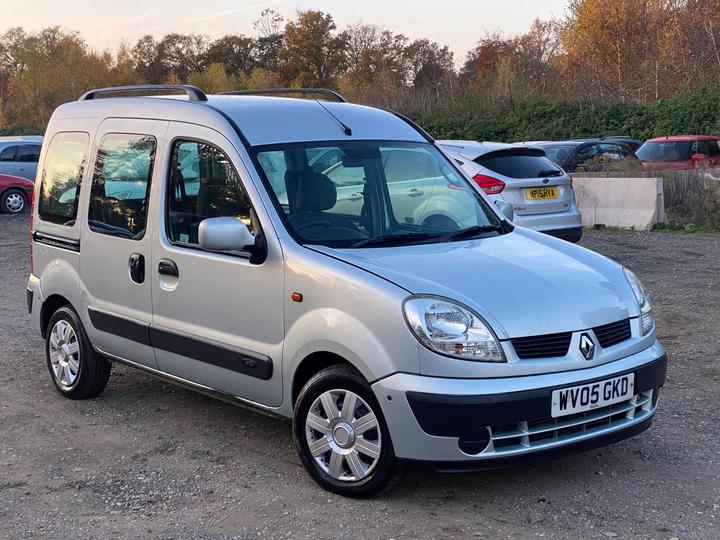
[(457, 23)]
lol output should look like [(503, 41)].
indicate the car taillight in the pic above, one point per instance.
[(571, 179), (490, 185)]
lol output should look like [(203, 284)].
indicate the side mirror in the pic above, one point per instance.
[(697, 157), (506, 208), (224, 234)]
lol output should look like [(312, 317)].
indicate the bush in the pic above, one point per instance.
[(473, 118)]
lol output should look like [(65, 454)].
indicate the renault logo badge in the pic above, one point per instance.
[(587, 346)]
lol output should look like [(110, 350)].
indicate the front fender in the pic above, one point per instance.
[(332, 331)]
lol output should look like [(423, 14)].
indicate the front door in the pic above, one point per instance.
[(116, 237), (217, 317)]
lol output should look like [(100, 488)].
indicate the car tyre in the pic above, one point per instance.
[(347, 451), (77, 371), (14, 201)]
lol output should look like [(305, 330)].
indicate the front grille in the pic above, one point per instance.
[(545, 346), (523, 437), (554, 345), (613, 333)]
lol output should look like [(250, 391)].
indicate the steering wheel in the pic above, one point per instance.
[(323, 224)]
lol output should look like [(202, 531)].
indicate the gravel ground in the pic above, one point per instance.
[(147, 459)]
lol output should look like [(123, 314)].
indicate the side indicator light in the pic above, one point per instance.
[(296, 297)]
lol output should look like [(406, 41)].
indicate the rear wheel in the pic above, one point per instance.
[(13, 201), (77, 371), (341, 435)]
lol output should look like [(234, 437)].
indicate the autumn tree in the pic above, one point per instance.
[(213, 80), (145, 56), (236, 53), (313, 53), (182, 54)]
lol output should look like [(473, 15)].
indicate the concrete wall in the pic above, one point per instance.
[(627, 203)]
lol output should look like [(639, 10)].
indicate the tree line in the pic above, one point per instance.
[(602, 59)]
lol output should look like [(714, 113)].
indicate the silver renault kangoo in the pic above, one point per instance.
[(329, 263)]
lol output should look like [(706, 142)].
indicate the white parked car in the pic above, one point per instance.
[(539, 190)]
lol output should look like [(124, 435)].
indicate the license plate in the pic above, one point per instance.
[(591, 396), (540, 193)]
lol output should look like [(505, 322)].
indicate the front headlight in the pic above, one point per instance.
[(643, 300), (451, 329)]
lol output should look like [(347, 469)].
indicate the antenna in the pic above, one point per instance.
[(346, 129)]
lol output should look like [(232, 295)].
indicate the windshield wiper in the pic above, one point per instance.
[(396, 239), (473, 231)]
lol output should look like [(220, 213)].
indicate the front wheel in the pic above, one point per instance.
[(13, 201), (341, 435)]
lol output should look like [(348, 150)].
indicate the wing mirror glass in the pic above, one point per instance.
[(224, 234)]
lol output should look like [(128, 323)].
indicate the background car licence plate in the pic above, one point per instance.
[(536, 194), (591, 396)]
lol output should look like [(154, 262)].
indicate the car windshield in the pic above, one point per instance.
[(664, 151), (372, 193), (557, 152)]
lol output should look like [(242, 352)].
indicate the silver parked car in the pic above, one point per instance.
[(19, 156), (539, 190), (327, 262)]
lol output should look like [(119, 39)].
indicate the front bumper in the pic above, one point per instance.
[(503, 421)]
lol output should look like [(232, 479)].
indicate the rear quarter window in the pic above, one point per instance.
[(514, 165), (61, 177)]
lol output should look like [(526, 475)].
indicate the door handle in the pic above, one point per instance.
[(415, 192), (166, 267), (137, 267), (355, 197)]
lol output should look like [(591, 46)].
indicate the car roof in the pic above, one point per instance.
[(684, 138), (261, 119), (22, 138), (474, 149)]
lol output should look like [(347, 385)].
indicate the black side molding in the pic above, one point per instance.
[(29, 298), (241, 361), (56, 241), (119, 326)]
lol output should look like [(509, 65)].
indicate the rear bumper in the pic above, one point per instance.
[(34, 298), (573, 234), (500, 422), (566, 225)]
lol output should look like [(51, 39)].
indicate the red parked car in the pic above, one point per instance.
[(680, 152), (15, 194)]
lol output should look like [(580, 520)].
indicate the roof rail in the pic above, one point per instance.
[(303, 91), (193, 92)]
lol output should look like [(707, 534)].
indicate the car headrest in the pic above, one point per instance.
[(315, 193)]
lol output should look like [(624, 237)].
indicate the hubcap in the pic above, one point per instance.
[(64, 353), (343, 435), (14, 202)]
